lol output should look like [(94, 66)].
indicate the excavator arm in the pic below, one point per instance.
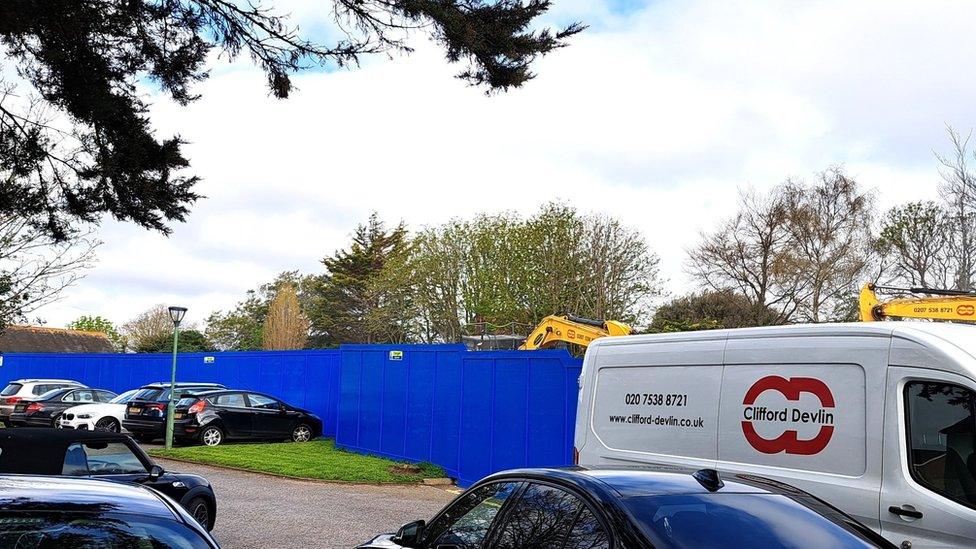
[(946, 305), (571, 329)]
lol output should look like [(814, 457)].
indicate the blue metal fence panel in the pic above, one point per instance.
[(307, 379), (473, 413)]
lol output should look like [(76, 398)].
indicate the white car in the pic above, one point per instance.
[(103, 416)]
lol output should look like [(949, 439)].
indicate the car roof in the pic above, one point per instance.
[(647, 480), (165, 384), (46, 448), (39, 493), (41, 380)]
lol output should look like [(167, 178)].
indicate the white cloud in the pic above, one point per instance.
[(656, 117)]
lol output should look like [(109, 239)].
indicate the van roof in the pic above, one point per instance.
[(955, 342)]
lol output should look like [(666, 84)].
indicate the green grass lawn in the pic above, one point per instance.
[(318, 459)]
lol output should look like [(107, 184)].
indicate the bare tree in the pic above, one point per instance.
[(747, 254), (830, 226), (917, 235), (150, 326), (286, 326), (35, 268), (958, 189)]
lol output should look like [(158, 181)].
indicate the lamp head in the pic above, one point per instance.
[(176, 314)]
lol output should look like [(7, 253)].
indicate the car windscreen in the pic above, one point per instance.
[(148, 394), (742, 520), (124, 397), (36, 530), (11, 389)]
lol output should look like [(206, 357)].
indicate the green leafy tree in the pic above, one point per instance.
[(191, 341), (76, 142), (342, 299), (242, 328), (711, 310), (102, 325)]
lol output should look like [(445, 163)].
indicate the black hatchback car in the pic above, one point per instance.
[(145, 414), (42, 512), (106, 456), (45, 410), (215, 416), (633, 509)]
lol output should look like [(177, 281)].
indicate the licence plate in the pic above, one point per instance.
[(178, 415), (134, 411)]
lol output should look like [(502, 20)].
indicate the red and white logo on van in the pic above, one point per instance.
[(789, 440)]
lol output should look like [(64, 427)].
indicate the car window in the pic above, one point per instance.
[(11, 389), (111, 458), (148, 394), (233, 400), (124, 397), (80, 529), (587, 532), (466, 523), (41, 389), (83, 395), (47, 394), (941, 433), (261, 401), (104, 396), (542, 518), (741, 520)]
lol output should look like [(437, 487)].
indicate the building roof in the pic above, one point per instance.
[(38, 339)]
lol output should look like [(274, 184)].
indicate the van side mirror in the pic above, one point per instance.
[(410, 534), (155, 472)]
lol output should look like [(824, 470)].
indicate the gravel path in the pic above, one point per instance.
[(256, 510)]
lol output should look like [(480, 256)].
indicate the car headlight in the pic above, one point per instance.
[(83, 416)]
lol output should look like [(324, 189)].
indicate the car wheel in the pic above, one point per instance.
[(107, 424), (200, 511), (55, 420), (301, 433), (211, 436)]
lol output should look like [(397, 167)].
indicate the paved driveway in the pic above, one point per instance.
[(261, 511)]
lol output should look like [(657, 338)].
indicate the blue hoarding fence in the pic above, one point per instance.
[(307, 379), (471, 412)]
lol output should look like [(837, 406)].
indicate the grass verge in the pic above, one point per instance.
[(318, 459)]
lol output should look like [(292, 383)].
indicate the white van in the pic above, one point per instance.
[(875, 418)]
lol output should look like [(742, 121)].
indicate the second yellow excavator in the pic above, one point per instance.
[(571, 329), (941, 304)]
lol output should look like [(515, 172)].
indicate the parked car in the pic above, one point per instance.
[(15, 391), (631, 508), (889, 406), (103, 416), (105, 456), (215, 416), (145, 414), (45, 410), (40, 512)]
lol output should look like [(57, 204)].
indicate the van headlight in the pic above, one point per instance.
[(83, 416)]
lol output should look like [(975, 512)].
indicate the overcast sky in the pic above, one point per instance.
[(657, 115)]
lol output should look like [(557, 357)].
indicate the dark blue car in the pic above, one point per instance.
[(592, 508)]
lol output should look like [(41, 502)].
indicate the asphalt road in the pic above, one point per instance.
[(256, 510)]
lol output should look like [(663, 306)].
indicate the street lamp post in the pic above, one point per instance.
[(176, 315)]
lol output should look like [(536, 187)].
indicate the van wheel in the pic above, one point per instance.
[(211, 436), (107, 424)]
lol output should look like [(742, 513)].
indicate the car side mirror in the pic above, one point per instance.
[(410, 534), (155, 472)]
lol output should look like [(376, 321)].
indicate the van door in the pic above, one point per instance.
[(928, 494)]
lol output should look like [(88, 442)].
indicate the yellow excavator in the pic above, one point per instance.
[(571, 329), (939, 305)]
